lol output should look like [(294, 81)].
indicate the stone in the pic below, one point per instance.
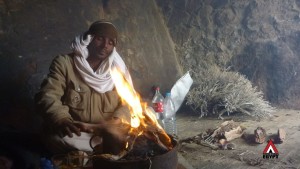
[(281, 135), (260, 135)]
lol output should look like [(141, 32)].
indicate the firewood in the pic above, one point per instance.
[(159, 133), (234, 133), (151, 130), (155, 137), (211, 145), (281, 135)]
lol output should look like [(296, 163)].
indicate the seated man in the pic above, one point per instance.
[(79, 92)]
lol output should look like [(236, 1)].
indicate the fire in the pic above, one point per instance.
[(141, 115), (127, 93)]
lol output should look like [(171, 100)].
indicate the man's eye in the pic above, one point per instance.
[(99, 38)]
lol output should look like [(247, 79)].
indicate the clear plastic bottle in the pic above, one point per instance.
[(157, 104), (169, 115)]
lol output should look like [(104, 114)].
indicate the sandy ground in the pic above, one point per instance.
[(247, 154)]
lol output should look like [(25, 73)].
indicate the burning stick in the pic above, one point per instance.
[(161, 137)]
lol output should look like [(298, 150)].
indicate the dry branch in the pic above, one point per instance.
[(219, 91)]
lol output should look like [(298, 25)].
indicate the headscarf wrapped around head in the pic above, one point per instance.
[(104, 28), (100, 80)]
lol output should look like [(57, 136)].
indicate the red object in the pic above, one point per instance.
[(270, 147), (157, 101)]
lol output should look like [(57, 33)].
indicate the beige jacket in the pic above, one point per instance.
[(64, 94)]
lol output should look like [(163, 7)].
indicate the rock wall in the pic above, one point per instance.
[(259, 39), (33, 32)]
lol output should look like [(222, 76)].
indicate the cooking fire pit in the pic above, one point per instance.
[(148, 146)]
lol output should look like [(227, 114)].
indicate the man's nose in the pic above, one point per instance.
[(106, 43)]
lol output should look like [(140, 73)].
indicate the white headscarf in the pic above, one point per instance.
[(100, 80)]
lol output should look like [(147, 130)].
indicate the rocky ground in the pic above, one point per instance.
[(246, 154)]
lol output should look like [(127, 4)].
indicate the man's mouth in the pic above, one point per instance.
[(103, 52)]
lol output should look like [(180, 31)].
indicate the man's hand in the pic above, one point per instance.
[(99, 127), (89, 127), (113, 131), (115, 136), (67, 127)]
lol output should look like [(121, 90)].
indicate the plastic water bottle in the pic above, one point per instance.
[(169, 119), (157, 104)]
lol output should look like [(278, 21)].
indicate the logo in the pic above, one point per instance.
[(270, 151)]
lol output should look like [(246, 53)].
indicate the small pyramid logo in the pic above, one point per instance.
[(270, 151)]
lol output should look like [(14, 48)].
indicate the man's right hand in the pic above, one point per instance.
[(67, 127)]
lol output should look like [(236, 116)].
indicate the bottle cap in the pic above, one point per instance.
[(157, 88), (168, 94)]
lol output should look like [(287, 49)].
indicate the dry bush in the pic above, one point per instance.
[(218, 91)]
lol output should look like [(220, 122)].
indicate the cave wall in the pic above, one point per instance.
[(33, 32), (259, 39)]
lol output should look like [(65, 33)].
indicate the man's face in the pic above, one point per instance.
[(101, 47)]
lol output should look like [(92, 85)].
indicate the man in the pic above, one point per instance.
[(79, 95)]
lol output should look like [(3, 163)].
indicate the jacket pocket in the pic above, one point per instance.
[(76, 96)]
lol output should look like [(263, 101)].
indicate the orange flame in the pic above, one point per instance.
[(148, 119), (127, 93)]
